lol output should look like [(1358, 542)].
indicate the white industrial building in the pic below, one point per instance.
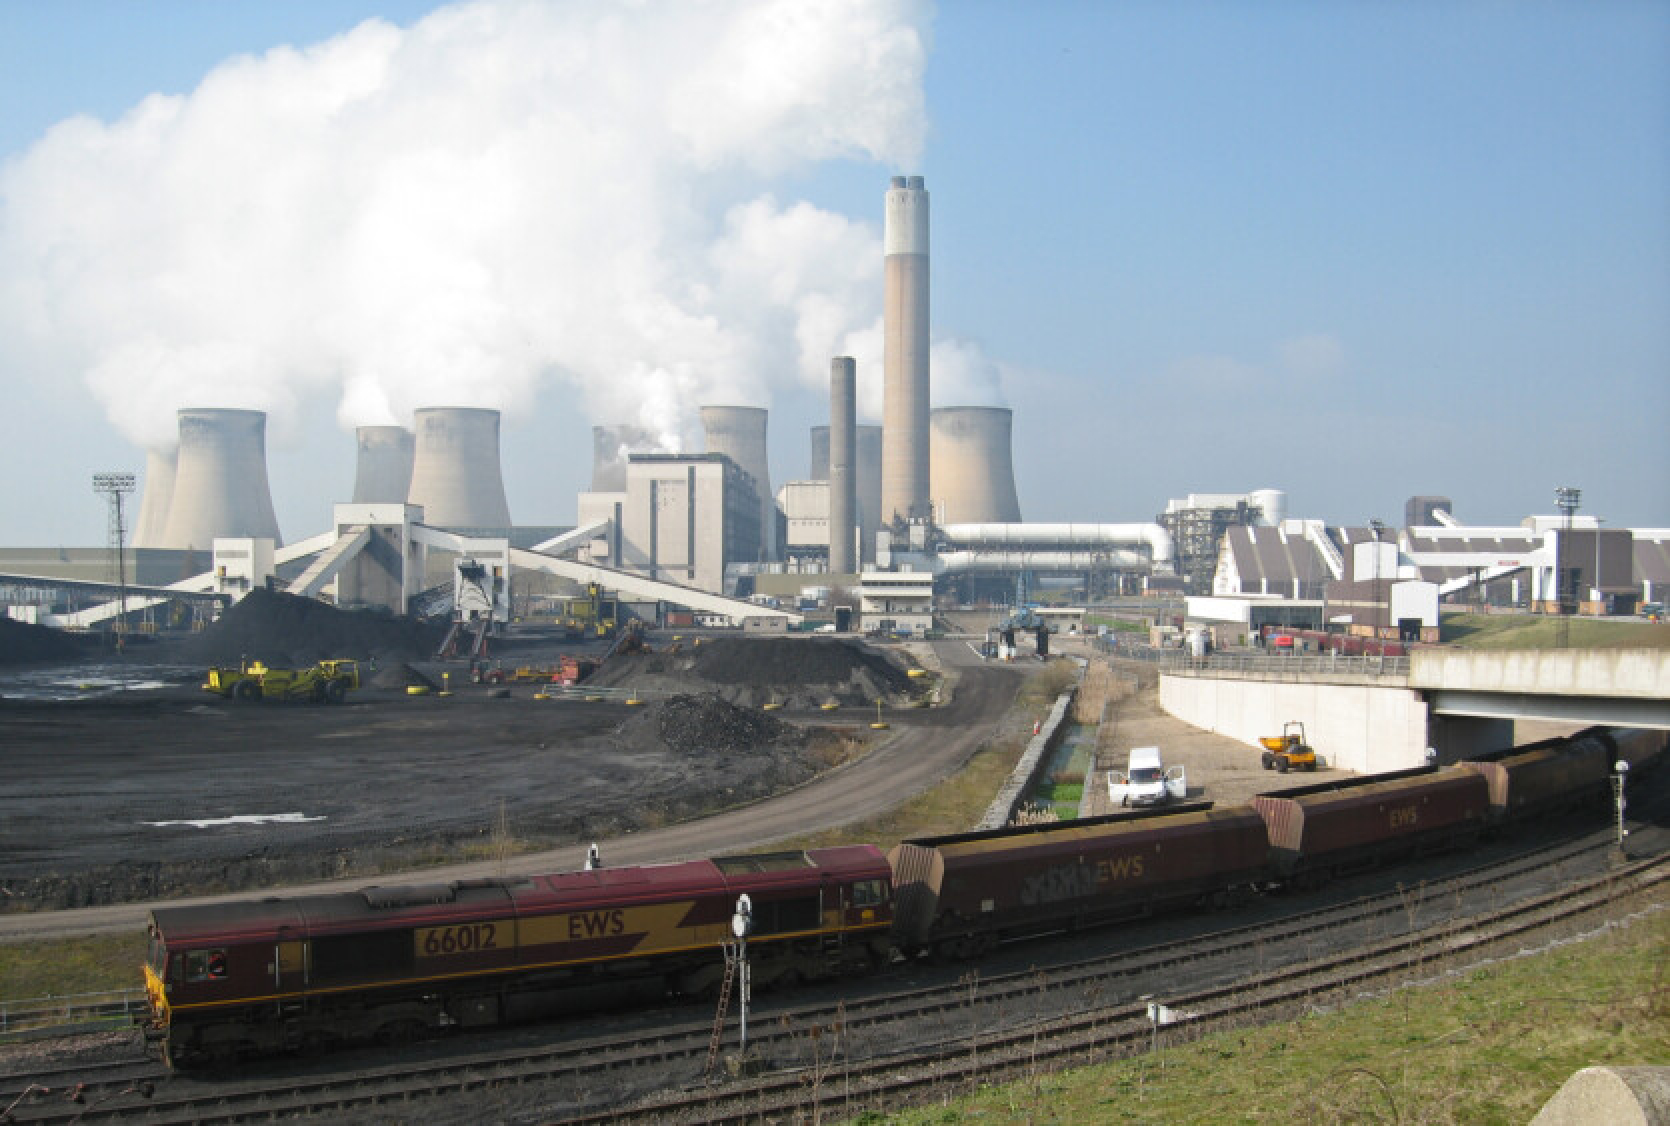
[(896, 602)]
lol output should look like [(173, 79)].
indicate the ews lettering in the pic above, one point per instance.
[(1405, 818), (1119, 868), (596, 924)]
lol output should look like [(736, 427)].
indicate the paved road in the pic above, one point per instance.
[(932, 747)]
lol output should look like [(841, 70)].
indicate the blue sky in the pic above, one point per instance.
[(1355, 252)]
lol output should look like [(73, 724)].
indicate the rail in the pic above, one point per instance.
[(33, 1015)]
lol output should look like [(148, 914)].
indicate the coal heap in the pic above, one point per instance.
[(707, 724), (793, 661), (791, 672), (21, 642), (284, 630)]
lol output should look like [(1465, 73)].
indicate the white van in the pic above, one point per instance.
[(1145, 781)]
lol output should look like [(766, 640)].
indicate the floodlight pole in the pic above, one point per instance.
[(116, 486), (1568, 498)]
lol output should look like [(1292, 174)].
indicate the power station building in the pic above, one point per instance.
[(681, 518)]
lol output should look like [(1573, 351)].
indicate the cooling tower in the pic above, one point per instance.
[(610, 447), (1272, 506), (455, 468), (973, 471), (1418, 511), (820, 454), (152, 525), (220, 480), (383, 470), (904, 456), (739, 434), (843, 470)]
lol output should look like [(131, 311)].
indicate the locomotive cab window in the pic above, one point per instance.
[(866, 893), (205, 965)]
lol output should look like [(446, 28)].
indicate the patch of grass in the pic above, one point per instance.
[(69, 966), (1489, 1046), (1541, 631)]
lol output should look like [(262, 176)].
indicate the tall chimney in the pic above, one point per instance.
[(904, 456), (455, 468), (383, 470), (220, 480), (152, 525), (739, 434), (843, 468), (610, 447), (973, 469)]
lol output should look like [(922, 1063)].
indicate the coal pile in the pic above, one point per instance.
[(794, 660), (400, 676), (793, 672), (23, 643), (708, 724), (284, 630)]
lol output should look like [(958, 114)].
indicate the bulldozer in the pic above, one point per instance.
[(1288, 751), (327, 682)]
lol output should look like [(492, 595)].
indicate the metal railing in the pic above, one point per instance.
[(1268, 666), (33, 1014)]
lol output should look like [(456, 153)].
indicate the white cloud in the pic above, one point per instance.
[(451, 214), (1314, 356)]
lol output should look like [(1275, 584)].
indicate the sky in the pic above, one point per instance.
[(1355, 252)]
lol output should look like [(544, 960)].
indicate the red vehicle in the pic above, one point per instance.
[(396, 963)]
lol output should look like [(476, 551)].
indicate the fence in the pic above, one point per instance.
[(34, 1015)]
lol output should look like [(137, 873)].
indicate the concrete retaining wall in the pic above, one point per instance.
[(1352, 726), (1008, 799)]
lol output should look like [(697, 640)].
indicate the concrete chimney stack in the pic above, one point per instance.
[(455, 468), (383, 470), (973, 468), (843, 467), (905, 446), (220, 480), (152, 525), (739, 434), (867, 473), (610, 447)]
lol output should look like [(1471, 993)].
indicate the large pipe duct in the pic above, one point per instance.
[(1039, 537), (455, 468), (220, 480), (843, 468), (383, 469), (611, 446), (739, 434), (973, 470), (904, 457), (152, 526)]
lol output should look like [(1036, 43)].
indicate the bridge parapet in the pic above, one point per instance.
[(1611, 673)]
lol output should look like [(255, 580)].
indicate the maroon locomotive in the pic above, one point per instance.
[(394, 963)]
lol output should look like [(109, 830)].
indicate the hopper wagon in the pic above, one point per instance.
[(1332, 828), (958, 895)]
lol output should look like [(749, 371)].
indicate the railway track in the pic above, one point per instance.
[(873, 1037)]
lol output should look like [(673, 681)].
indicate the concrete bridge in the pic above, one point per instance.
[(1371, 715)]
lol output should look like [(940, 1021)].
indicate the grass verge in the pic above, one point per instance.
[(1489, 1045), (1541, 631), (66, 967)]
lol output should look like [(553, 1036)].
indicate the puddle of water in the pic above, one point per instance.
[(239, 819), (84, 682)]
